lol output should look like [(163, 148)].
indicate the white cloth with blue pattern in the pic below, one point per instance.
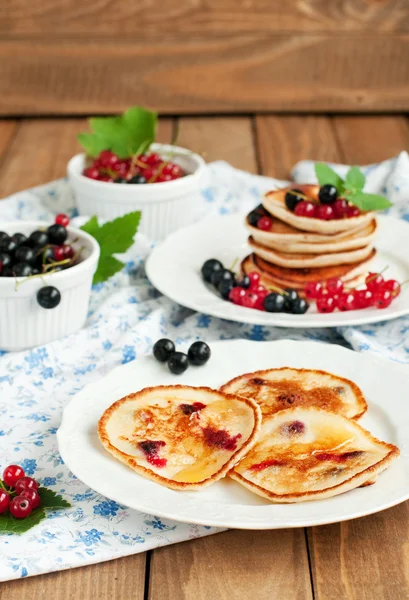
[(126, 316)]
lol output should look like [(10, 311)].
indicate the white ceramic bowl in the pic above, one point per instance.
[(23, 322), (165, 206)]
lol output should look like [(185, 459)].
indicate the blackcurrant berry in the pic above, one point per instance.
[(292, 198), (3, 235), (328, 194), (178, 363), (5, 259), (19, 238), (57, 234), (253, 218), (38, 239), (245, 282), (199, 353), (25, 254), (163, 349), (290, 297), (48, 297), (274, 302), (299, 306), (137, 179), (224, 275), (209, 267), (8, 245), (22, 269), (224, 288)]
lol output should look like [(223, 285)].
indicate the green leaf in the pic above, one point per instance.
[(368, 202), (51, 500), (355, 180), (326, 175), (114, 237), (9, 524), (123, 134)]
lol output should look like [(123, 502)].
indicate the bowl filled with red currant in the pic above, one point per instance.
[(122, 170), (46, 272)]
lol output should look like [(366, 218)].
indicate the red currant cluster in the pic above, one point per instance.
[(18, 493), (142, 168), (330, 206), (331, 294)]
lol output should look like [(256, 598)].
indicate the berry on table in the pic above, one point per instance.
[(363, 298), (382, 298), (22, 269), (38, 239), (224, 275), (305, 209), (254, 279), (391, 284), (374, 281), (62, 219), (20, 507), (25, 254), (163, 349), (313, 289), (57, 234), (274, 302), (199, 353), (178, 363), (290, 297), (4, 501), (346, 301), (224, 288), (334, 285), (326, 304), (12, 474), (325, 212), (8, 245), (236, 295), (250, 299), (32, 496), (48, 297), (209, 267), (245, 282), (5, 259), (26, 483), (328, 194), (19, 238), (299, 306), (265, 223)]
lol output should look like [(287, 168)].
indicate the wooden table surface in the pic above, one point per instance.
[(365, 559)]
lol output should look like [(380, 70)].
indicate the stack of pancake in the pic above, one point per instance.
[(299, 250)]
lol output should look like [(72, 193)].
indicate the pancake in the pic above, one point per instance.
[(306, 275), (291, 243), (182, 437), (299, 261), (279, 389), (274, 203), (310, 454)]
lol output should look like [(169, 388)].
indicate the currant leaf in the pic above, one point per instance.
[(355, 180), (367, 202), (326, 175)]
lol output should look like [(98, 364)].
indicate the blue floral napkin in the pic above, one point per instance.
[(126, 317)]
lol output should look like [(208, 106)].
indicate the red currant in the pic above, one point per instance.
[(20, 507), (237, 294), (62, 219), (393, 286), (305, 209), (107, 158), (154, 159), (382, 298), (176, 171), (346, 301), (91, 172), (164, 177), (325, 212), (262, 293), (250, 300), (374, 281), (4, 501), (68, 251), (265, 223), (340, 208), (334, 286), (326, 304), (58, 252), (32, 496), (313, 289), (352, 211), (26, 483), (363, 298), (12, 474), (148, 173), (254, 279)]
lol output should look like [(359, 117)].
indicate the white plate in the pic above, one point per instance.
[(174, 269), (226, 503)]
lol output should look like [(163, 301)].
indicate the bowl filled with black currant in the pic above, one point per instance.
[(46, 272)]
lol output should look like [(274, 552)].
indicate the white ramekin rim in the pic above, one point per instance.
[(75, 273), (151, 193)]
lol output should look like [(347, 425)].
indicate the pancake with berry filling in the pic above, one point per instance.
[(280, 389), (274, 203), (285, 238), (182, 437), (306, 260), (310, 454)]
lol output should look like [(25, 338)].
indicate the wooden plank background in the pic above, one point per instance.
[(203, 56)]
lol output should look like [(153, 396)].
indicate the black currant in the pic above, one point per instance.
[(224, 288), (8, 245), (292, 198), (57, 234), (328, 194), (163, 349), (22, 269), (253, 218), (224, 275), (199, 353), (178, 363), (19, 238), (38, 239), (290, 297), (137, 179), (25, 254), (274, 302), (3, 235), (209, 267), (48, 297), (5, 259), (245, 282), (299, 306)]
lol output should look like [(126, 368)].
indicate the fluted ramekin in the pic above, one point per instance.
[(23, 322)]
